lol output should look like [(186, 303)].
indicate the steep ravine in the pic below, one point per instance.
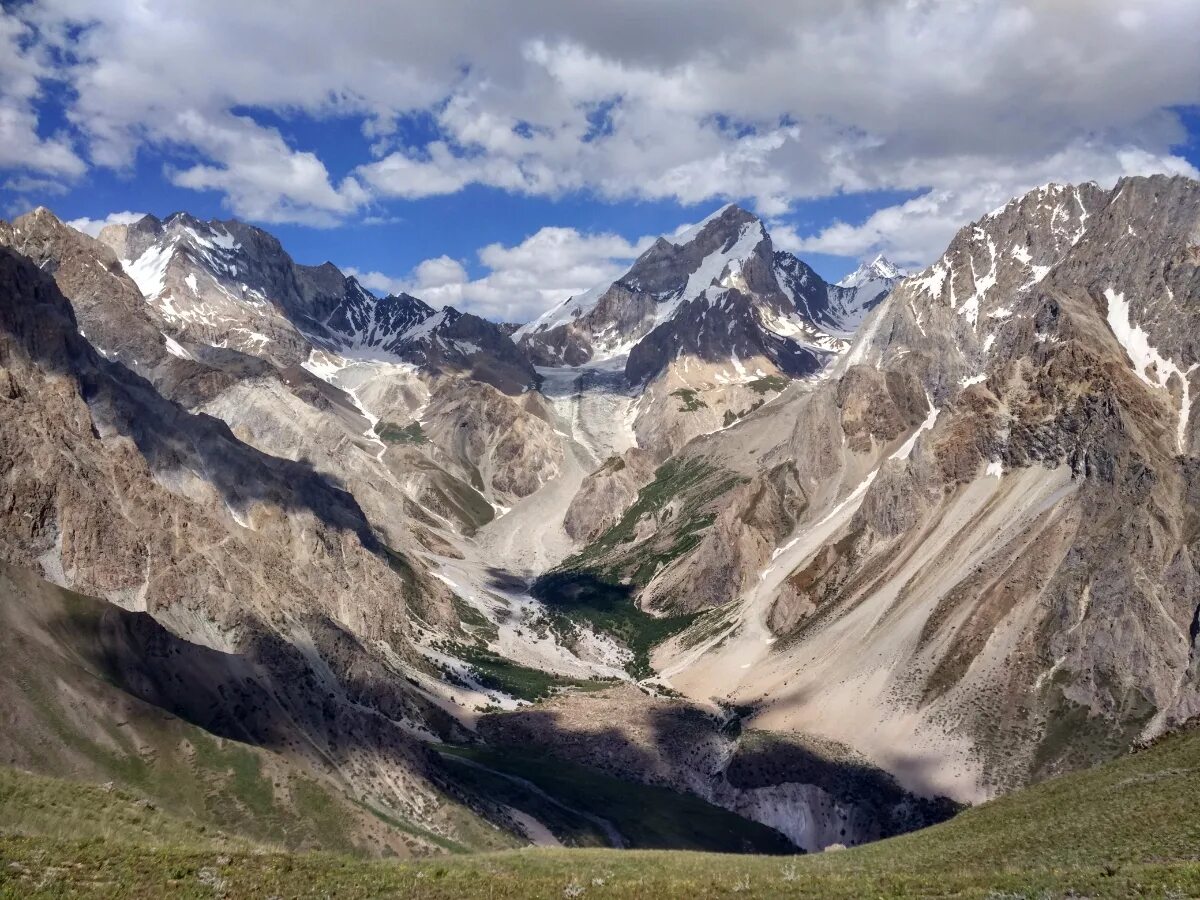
[(690, 750)]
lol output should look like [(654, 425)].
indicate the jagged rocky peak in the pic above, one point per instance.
[(727, 238), (224, 284), (879, 269), (227, 284), (718, 292), (990, 274)]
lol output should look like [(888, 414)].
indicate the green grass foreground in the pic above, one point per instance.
[(1129, 828)]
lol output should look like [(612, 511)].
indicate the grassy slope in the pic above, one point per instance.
[(1129, 828), (63, 718), (645, 816)]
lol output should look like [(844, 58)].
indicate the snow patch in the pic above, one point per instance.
[(1147, 359), (907, 448), (149, 270), (934, 282), (174, 349)]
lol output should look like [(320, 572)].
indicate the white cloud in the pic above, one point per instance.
[(23, 68), (260, 176), (688, 100), (35, 186), (94, 226), (915, 232), (522, 280), (431, 277)]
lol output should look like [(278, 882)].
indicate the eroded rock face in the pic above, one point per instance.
[(497, 442), (997, 474), (607, 493), (116, 492)]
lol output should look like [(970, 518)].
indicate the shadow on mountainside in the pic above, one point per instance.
[(37, 322), (268, 694), (685, 748)]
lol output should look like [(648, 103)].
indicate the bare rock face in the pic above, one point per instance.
[(607, 492), (991, 490), (116, 492), (494, 441), (217, 284), (115, 318)]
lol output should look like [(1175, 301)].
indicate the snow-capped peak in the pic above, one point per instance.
[(688, 233), (728, 237), (879, 269)]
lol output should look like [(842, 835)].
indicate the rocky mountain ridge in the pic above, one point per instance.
[(228, 284), (926, 540), (718, 292), (949, 533)]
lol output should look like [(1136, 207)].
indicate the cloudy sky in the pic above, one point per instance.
[(501, 155)]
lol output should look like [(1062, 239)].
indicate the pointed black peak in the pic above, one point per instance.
[(149, 223), (184, 218), (406, 301)]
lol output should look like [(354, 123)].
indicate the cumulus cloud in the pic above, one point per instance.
[(685, 100), (94, 226), (24, 68), (260, 177), (916, 231), (521, 280)]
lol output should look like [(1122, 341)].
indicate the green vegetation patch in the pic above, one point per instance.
[(473, 622), (502, 674), (731, 416), (676, 478), (570, 826), (392, 433), (690, 399), (767, 383), (574, 596), (1076, 737)]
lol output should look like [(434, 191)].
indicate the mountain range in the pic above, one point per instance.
[(802, 564)]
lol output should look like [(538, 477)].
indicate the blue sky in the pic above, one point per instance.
[(499, 156)]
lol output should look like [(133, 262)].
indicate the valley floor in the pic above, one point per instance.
[(1128, 828)]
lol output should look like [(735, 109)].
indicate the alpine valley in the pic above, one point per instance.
[(715, 556)]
